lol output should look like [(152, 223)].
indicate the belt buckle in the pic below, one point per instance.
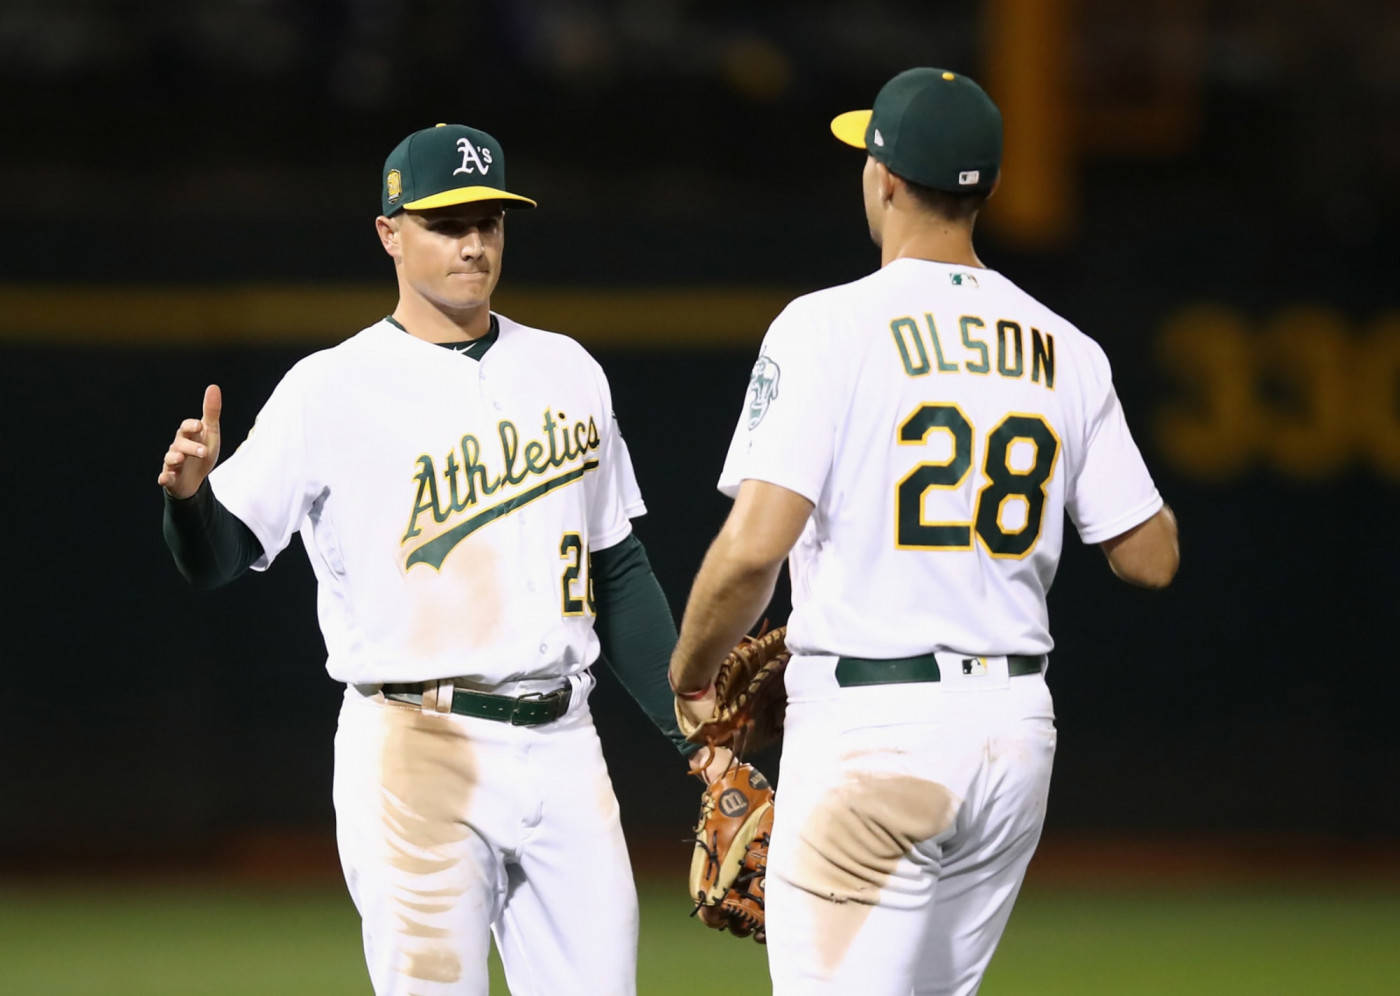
[(519, 699), (559, 694)]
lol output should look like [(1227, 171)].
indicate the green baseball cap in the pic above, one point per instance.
[(932, 126), (446, 164)]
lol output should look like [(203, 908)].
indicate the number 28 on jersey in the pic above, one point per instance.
[(1020, 450)]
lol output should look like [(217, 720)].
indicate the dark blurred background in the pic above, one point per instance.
[(1208, 189)]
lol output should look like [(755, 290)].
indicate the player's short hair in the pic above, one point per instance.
[(948, 204)]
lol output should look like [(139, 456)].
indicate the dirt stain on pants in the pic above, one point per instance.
[(851, 843), (428, 773)]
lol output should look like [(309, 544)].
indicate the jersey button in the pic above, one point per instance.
[(544, 648)]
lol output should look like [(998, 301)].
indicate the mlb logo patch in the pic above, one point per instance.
[(973, 666), (969, 176)]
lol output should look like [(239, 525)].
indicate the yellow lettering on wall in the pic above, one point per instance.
[(1211, 431), (1305, 358), (1303, 395)]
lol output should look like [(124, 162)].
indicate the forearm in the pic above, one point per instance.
[(1148, 554), (210, 544), (729, 594), (636, 631)]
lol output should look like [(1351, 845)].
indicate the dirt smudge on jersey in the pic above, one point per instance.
[(428, 776), (458, 607), (851, 844)]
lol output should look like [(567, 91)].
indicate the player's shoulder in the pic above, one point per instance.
[(542, 344), (530, 337), (826, 313), (354, 350), (1024, 307), (1005, 292), (851, 294)]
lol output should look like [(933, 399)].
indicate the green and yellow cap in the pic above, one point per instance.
[(932, 126), (446, 164)]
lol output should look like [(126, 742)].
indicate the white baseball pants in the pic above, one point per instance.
[(905, 818), (452, 828)]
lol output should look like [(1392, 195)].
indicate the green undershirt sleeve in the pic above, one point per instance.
[(210, 544), (637, 631)]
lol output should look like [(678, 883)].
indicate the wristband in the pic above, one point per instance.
[(699, 693)]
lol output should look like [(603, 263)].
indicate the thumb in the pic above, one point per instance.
[(213, 406)]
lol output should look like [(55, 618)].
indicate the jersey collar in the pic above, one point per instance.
[(475, 348)]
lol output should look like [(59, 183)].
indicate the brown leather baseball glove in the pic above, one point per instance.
[(750, 701), (730, 859)]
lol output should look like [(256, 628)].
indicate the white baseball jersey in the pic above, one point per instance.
[(447, 504), (941, 421)]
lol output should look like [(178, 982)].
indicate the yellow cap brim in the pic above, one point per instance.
[(850, 127), (466, 195)]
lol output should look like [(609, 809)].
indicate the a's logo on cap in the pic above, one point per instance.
[(969, 176), (393, 183), (879, 139), (472, 158)]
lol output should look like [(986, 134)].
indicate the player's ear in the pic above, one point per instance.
[(388, 230), (884, 181)]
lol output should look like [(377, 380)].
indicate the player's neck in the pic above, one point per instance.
[(425, 320), (941, 242)]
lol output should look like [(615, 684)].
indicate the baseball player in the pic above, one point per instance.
[(911, 441), (464, 496)]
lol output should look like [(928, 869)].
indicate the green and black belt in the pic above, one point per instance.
[(527, 710), (869, 671)]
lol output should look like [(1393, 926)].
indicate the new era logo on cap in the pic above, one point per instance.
[(879, 139)]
